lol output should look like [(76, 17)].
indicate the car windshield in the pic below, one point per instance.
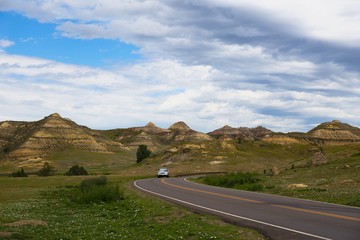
[(163, 170)]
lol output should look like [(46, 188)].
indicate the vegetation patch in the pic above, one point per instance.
[(130, 218), (239, 180), (47, 170), (19, 173), (96, 190), (76, 170), (142, 153)]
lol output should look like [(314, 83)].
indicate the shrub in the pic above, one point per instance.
[(239, 180), (47, 170), (142, 153), (98, 194), (94, 190), (19, 173), (93, 182), (255, 187), (76, 170)]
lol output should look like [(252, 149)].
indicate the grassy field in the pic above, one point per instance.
[(139, 216), (337, 181), (214, 156), (39, 208), (99, 163)]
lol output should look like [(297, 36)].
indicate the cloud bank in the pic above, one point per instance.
[(286, 66)]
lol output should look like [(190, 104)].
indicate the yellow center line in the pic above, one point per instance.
[(316, 212), (274, 205), (212, 193)]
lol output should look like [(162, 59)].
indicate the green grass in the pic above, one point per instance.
[(136, 216), (239, 180), (92, 162), (251, 156), (121, 132), (338, 181)]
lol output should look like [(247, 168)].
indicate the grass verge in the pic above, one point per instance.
[(338, 182), (238, 180), (135, 216)]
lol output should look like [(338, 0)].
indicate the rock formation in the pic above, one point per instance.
[(334, 132), (155, 137), (22, 141), (228, 132), (181, 126), (318, 159)]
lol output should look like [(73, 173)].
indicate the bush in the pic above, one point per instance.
[(255, 187), (98, 194), (93, 182), (19, 173), (142, 153), (76, 170), (239, 180), (94, 190), (47, 170)]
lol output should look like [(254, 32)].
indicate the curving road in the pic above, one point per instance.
[(274, 216)]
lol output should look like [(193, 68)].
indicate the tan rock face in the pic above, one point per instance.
[(318, 159), (155, 137), (335, 135), (283, 140), (334, 132), (37, 139), (228, 132), (179, 126), (275, 171), (150, 125), (227, 145), (192, 136)]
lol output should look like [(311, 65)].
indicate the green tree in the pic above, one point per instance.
[(47, 170), (19, 173), (142, 153), (76, 170)]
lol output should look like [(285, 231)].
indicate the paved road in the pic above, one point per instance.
[(274, 216)]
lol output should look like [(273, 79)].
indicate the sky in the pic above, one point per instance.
[(284, 65)]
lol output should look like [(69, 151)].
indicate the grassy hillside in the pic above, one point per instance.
[(100, 163), (253, 156), (337, 181)]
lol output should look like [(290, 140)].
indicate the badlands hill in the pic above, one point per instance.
[(328, 133), (228, 132), (155, 137), (32, 141), (334, 132)]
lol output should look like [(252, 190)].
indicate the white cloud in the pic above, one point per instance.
[(326, 20), (208, 63), (162, 91), (332, 21), (6, 43)]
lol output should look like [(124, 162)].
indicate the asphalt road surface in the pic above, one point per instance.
[(274, 216)]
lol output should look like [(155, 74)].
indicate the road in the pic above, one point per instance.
[(274, 216)]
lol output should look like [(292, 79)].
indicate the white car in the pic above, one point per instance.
[(163, 173)]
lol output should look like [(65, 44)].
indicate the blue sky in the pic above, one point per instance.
[(41, 40), (286, 66)]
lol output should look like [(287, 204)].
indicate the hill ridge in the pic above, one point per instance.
[(30, 141), (37, 139)]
